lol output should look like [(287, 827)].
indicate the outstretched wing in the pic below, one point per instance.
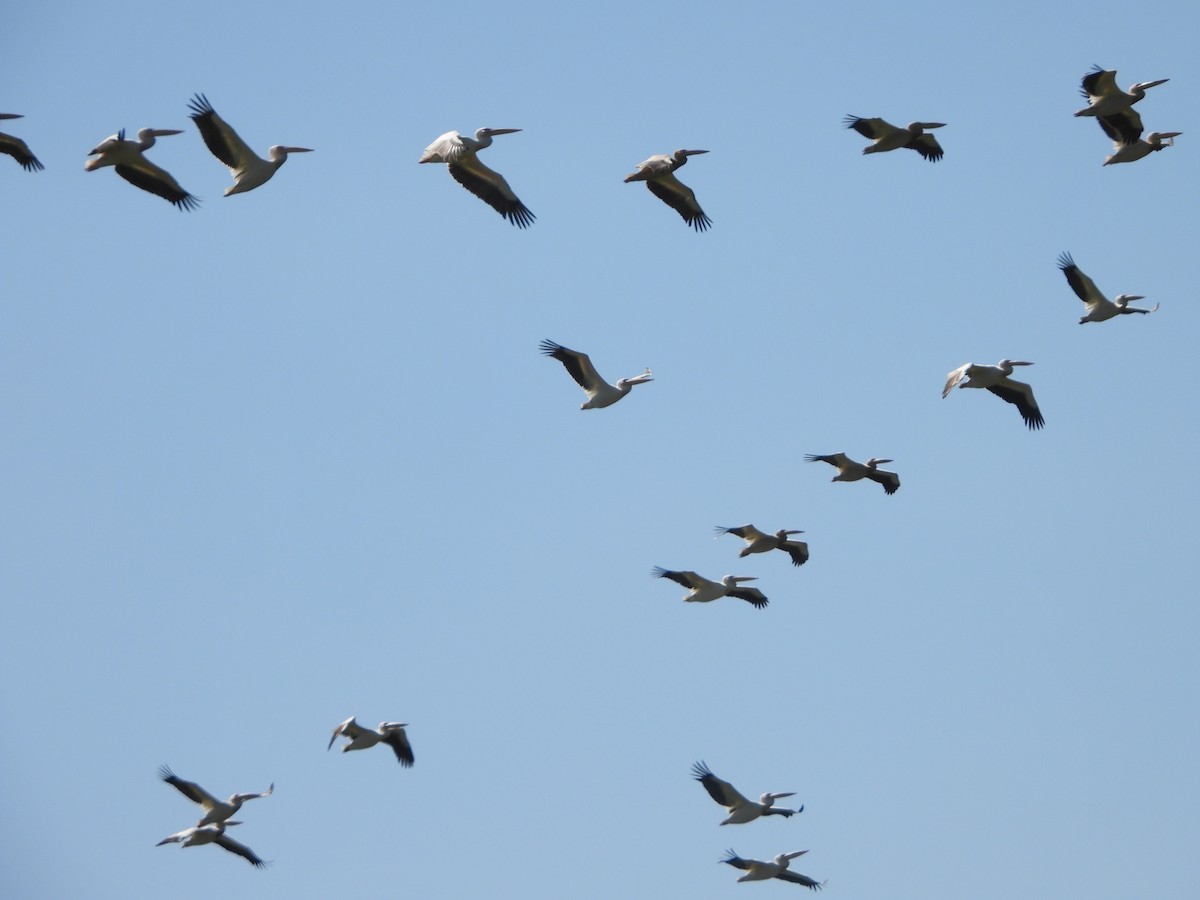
[(240, 849), (189, 789), (400, 746), (721, 791)]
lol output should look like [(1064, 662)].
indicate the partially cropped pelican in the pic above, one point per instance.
[(740, 809), (390, 733), (995, 379), (659, 174), (249, 169), (757, 870), (701, 590), (17, 148), (599, 392), (213, 834), (1125, 152), (1099, 307), (459, 154), (131, 164), (760, 542), (850, 470), (1106, 99), (887, 136), (215, 811)]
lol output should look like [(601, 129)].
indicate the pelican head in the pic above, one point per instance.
[(386, 726), (783, 535), (925, 126), (11, 116), (146, 136), (1157, 137), (279, 153), (770, 798), (689, 152), (1142, 86), (488, 132), (875, 461), (1009, 363), (783, 858), (1123, 300), (734, 580), (624, 383)]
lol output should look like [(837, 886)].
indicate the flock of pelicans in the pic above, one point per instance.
[(1108, 104)]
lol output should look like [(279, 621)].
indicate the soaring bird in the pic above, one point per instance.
[(760, 542), (213, 834), (390, 733), (215, 811), (17, 148), (740, 809), (886, 136), (701, 590), (249, 169), (757, 870), (459, 154), (850, 470), (128, 157), (1110, 104), (995, 379), (659, 174), (1126, 152), (599, 392), (1099, 307)]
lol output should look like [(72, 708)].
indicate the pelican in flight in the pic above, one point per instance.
[(1126, 152), (459, 153), (701, 590), (600, 393), (129, 159), (887, 136), (757, 870), (390, 733), (17, 148), (849, 470), (760, 542), (249, 169), (213, 834), (740, 809), (215, 811), (1107, 101), (659, 174), (995, 379), (1099, 307)]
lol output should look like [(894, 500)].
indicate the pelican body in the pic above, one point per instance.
[(659, 174), (995, 379), (249, 169), (128, 157), (1099, 307), (701, 590), (850, 470), (459, 155), (886, 136), (599, 392), (213, 834), (215, 811), (390, 733), (1126, 153), (740, 809), (1105, 98), (17, 148), (761, 542), (757, 870)]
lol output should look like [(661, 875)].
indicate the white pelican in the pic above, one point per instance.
[(1107, 100), (888, 137), (1099, 307), (701, 590), (995, 379), (459, 154), (249, 169), (757, 870), (131, 164), (390, 733), (659, 174), (600, 393), (213, 834), (215, 811), (760, 542), (17, 148), (849, 470), (741, 810), (1125, 152)]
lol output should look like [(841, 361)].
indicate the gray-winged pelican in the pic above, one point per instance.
[(215, 811), (1125, 152), (740, 809), (701, 590), (1099, 307), (851, 470), (390, 733), (887, 136), (760, 542), (459, 154), (757, 870), (249, 169), (659, 174), (599, 392), (995, 379), (213, 834), (1105, 99), (131, 164)]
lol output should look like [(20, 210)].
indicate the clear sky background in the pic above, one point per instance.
[(295, 456)]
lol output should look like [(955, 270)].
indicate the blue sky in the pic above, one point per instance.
[(295, 456)]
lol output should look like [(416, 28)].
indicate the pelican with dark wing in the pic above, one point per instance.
[(995, 379), (740, 809), (390, 733), (850, 470), (248, 168), (886, 136), (215, 811), (659, 174), (599, 392), (17, 148), (757, 870), (1099, 307), (1126, 152), (760, 542), (1106, 100), (213, 834), (459, 154), (701, 590), (128, 157)]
